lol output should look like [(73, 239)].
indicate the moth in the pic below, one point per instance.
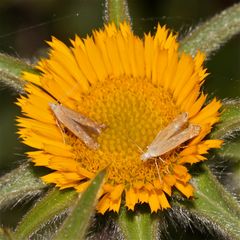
[(171, 137), (80, 125)]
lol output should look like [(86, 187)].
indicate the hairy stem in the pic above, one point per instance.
[(10, 72), (209, 36), (116, 11)]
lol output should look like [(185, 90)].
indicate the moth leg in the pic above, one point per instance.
[(161, 159), (158, 172), (61, 130), (167, 169)]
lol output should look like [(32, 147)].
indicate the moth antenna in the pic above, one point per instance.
[(155, 161), (66, 95), (139, 148), (158, 172)]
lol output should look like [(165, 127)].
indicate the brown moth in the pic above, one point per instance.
[(171, 137), (78, 124)]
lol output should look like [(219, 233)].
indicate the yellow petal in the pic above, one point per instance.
[(186, 189)]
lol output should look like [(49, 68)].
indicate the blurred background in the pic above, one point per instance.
[(25, 25)]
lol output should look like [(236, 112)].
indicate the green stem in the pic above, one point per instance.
[(116, 11), (210, 35), (10, 71), (138, 225)]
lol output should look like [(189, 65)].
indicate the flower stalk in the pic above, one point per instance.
[(116, 11), (138, 225)]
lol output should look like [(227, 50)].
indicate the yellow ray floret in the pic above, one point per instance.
[(135, 87)]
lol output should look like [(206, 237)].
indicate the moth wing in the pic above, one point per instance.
[(191, 131), (79, 132), (81, 119), (72, 125), (170, 130)]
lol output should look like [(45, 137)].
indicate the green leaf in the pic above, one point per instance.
[(10, 71), (19, 184), (116, 11), (51, 205), (75, 226), (214, 203), (230, 120), (210, 35), (139, 225)]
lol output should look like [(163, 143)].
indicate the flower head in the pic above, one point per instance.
[(135, 87)]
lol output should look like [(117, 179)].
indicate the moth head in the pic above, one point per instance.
[(53, 106), (145, 156)]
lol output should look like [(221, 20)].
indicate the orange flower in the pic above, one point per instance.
[(134, 86)]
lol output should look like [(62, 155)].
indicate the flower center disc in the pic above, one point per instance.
[(134, 111)]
